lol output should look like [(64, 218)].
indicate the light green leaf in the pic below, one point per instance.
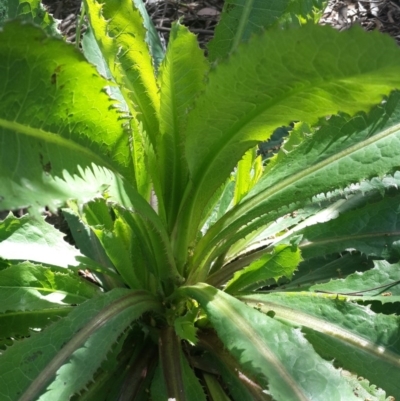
[(152, 228), (305, 10), (32, 239), (132, 70), (152, 237), (93, 54), (320, 72), (181, 79), (248, 172), (275, 353), (123, 247), (221, 201), (121, 36), (282, 262), (72, 348), (50, 284), (184, 326), (364, 388), (359, 339), (57, 143)]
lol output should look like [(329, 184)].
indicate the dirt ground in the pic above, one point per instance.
[(201, 16)]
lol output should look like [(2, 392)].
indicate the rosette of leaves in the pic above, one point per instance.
[(198, 271)]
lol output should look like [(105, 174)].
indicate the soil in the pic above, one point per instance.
[(201, 16), (383, 15)]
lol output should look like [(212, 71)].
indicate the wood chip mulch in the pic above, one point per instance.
[(383, 15), (202, 16)]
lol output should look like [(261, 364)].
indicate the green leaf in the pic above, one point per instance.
[(180, 381), (322, 208), (33, 296), (158, 245), (74, 348), (320, 72), (33, 11), (248, 172), (359, 339), (364, 388), (214, 388), (152, 38), (181, 79), (50, 284), (184, 326), (87, 242), (123, 246), (218, 359), (158, 388), (383, 278), (57, 143), (136, 243), (239, 20), (3, 10), (371, 229), (32, 239), (141, 370), (275, 353), (220, 205), (282, 262), (305, 10), (85, 239), (309, 164), (121, 36), (325, 268)]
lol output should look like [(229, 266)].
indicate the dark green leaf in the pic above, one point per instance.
[(359, 339), (275, 353), (74, 348)]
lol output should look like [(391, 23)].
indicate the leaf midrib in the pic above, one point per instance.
[(254, 204), (349, 238), (244, 17), (253, 337), (55, 139), (326, 327), (79, 338)]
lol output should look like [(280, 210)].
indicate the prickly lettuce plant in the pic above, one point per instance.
[(199, 271)]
